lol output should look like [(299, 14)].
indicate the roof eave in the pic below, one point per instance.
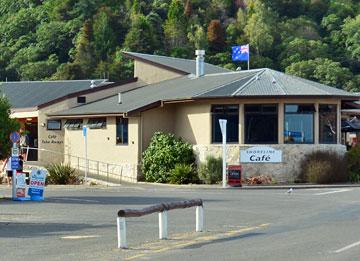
[(87, 91), (169, 68)]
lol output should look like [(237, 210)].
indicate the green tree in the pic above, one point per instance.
[(197, 37), (351, 31), (301, 49), (104, 35), (175, 25), (7, 124), (322, 70), (259, 28), (140, 37)]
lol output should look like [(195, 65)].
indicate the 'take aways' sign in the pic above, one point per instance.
[(260, 154)]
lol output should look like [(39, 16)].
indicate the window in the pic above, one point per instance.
[(96, 123), (81, 99), (299, 123), (74, 124), (53, 124), (327, 123), (261, 124), (121, 130), (231, 114)]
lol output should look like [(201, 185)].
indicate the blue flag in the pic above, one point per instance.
[(240, 53)]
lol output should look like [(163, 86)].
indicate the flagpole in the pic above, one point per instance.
[(249, 58)]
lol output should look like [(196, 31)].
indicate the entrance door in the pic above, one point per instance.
[(32, 132)]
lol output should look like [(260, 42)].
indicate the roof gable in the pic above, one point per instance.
[(184, 66)]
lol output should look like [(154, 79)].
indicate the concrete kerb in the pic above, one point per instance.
[(248, 187)]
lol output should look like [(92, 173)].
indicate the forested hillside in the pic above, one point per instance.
[(77, 39)]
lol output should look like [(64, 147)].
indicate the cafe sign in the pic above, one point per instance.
[(260, 154)]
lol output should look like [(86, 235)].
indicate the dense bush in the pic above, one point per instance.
[(323, 167), (353, 163), (210, 172), (61, 174), (183, 174), (164, 152)]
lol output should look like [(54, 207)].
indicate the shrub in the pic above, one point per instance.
[(323, 167), (61, 174), (164, 152), (210, 172), (353, 163), (183, 174)]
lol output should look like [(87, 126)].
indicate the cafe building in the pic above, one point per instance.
[(268, 113)]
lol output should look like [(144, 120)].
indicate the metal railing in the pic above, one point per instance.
[(109, 172)]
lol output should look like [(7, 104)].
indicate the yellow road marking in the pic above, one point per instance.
[(197, 240)]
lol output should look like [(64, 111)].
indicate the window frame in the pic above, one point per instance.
[(261, 112), (313, 121), (69, 124), (47, 124), (81, 99), (127, 131), (336, 123), (97, 123), (225, 112)]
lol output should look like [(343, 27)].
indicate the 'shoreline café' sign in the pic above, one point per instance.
[(260, 154)]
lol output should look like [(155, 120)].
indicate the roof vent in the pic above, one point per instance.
[(119, 98), (199, 62), (92, 84), (273, 80)]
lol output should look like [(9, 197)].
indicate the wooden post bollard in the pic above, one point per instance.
[(121, 229), (199, 218), (163, 231)]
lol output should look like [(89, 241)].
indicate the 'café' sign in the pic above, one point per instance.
[(260, 155)]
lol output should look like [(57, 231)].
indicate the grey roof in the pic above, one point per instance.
[(183, 65), (34, 93), (254, 83)]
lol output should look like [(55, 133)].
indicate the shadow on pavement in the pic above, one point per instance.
[(30, 230)]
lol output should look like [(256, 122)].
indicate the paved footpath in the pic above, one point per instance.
[(79, 223)]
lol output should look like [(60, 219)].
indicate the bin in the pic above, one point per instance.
[(234, 175)]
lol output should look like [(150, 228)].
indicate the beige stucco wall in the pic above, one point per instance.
[(151, 73), (103, 153), (51, 142), (158, 119)]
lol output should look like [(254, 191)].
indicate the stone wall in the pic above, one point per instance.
[(286, 171)]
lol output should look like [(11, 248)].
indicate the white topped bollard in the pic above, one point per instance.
[(121, 231), (199, 218), (163, 225)]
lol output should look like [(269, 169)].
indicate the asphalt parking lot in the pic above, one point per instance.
[(79, 223)]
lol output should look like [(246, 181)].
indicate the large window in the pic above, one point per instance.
[(261, 124), (121, 130), (327, 123), (231, 114), (299, 123)]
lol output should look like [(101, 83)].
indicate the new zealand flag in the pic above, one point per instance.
[(240, 53)]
